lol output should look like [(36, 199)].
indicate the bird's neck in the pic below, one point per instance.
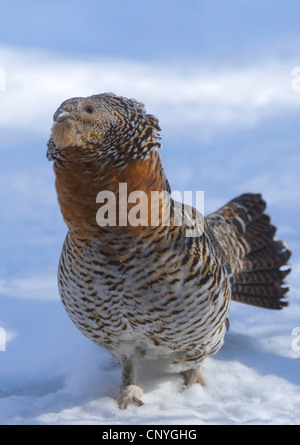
[(97, 199)]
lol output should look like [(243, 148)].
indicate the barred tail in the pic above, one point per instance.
[(259, 279)]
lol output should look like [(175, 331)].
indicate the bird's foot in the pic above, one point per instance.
[(130, 394), (192, 377)]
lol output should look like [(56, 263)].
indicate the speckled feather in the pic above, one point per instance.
[(151, 291)]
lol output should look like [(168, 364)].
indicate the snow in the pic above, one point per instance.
[(226, 131), (51, 374)]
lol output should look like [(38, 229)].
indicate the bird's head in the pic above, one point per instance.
[(104, 127)]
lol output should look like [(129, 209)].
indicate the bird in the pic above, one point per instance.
[(142, 275)]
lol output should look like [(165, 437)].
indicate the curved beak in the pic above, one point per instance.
[(62, 115)]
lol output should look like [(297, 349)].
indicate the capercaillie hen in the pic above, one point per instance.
[(151, 289)]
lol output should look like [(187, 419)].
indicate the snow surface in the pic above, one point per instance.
[(225, 132)]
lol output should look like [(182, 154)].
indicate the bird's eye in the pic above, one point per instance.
[(89, 108)]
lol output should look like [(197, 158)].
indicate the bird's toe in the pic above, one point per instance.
[(130, 395), (192, 377)]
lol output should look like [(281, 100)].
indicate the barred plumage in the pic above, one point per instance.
[(148, 290)]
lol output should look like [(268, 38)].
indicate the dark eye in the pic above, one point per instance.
[(89, 108)]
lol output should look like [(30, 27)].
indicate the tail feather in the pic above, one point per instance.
[(259, 225), (263, 295), (262, 239), (259, 278), (262, 276), (271, 256)]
